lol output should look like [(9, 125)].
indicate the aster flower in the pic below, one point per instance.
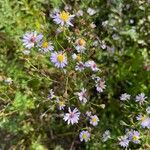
[(76, 57), (140, 98), (80, 45), (59, 59), (72, 116), (125, 97), (46, 46), (148, 110), (8, 80), (134, 137), (88, 113), (61, 104), (26, 52), (145, 121), (84, 136), (91, 11), (106, 136), (79, 13), (92, 65), (92, 25), (51, 94), (124, 141), (31, 38), (82, 95), (94, 120), (63, 18), (80, 66), (100, 85)]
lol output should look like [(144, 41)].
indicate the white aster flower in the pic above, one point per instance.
[(72, 117), (31, 38), (100, 85), (84, 136), (82, 95), (92, 25), (106, 136), (26, 52), (140, 98), (80, 45), (92, 65), (95, 43), (61, 104), (91, 11), (79, 13), (46, 46), (125, 97), (88, 113), (94, 120), (59, 59), (80, 66), (148, 109), (63, 18), (74, 56), (8, 80)]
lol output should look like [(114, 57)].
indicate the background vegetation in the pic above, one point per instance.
[(28, 120)]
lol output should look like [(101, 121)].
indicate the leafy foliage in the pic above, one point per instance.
[(28, 118)]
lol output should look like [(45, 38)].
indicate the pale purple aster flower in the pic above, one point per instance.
[(63, 18), (124, 141), (59, 59), (80, 66), (88, 113), (80, 45), (106, 136), (134, 137), (84, 136), (94, 120), (46, 46), (72, 116), (140, 98), (100, 85), (82, 95), (145, 121), (148, 109), (31, 38), (125, 97), (92, 65), (91, 11), (51, 94), (61, 104)]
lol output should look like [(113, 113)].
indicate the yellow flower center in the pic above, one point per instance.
[(84, 136), (143, 118), (60, 57), (64, 16), (135, 137), (94, 120), (45, 45), (81, 42), (61, 103), (78, 58)]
